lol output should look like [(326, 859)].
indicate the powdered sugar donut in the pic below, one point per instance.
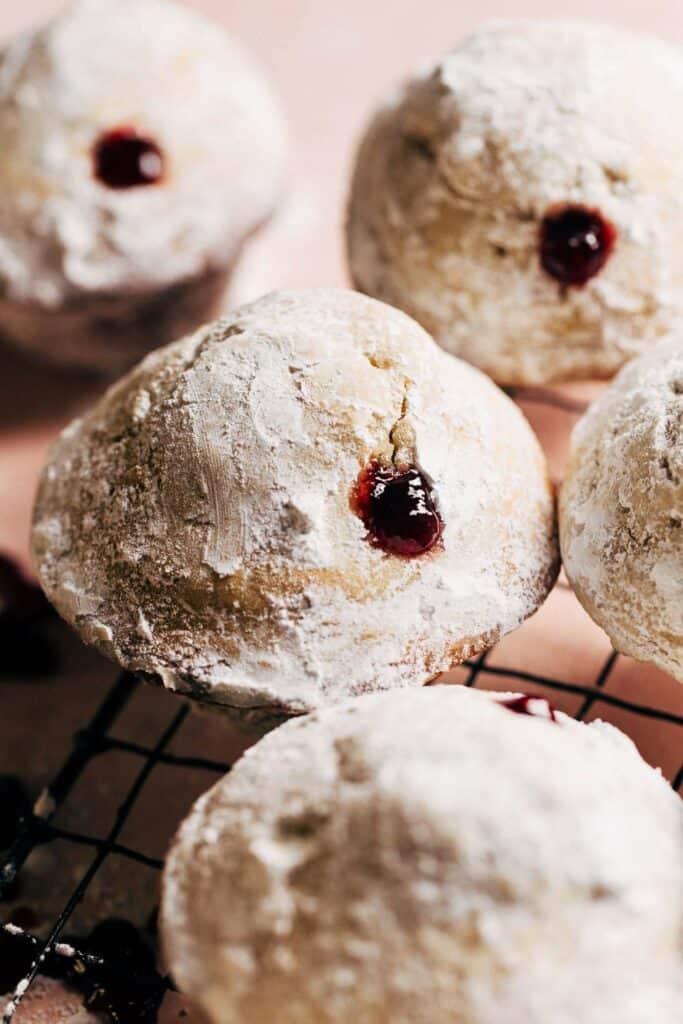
[(429, 856), (521, 199), (303, 501), (621, 511), (135, 162)]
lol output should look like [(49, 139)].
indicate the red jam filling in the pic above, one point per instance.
[(575, 244), (399, 508), (124, 159)]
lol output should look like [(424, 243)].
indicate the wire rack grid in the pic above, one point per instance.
[(97, 738)]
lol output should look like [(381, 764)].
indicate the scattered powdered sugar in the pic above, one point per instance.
[(64, 949)]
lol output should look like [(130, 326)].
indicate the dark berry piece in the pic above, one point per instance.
[(125, 159), (399, 509), (576, 243), (15, 804), (536, 707)]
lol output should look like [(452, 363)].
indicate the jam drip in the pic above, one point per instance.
[(124, 159), (576, 243), (535, 707), (399, 509)]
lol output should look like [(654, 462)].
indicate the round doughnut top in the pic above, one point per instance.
[(426, 856), (521, 199), (621, 510), (72, 226), (206, 522)]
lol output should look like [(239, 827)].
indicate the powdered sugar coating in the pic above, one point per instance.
[(458, 170), (430, 856), (197, 524), (98, 276), (621, 509)]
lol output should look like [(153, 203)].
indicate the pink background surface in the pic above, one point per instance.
[(331, 62)]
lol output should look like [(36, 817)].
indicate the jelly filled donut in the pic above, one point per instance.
[(304, 501), (521, 199), (435, 856), (140, 147), (621, 509)]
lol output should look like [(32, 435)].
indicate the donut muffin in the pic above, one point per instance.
[(621, 510), (521, 199), (303, 501), (435, 856), (135, 162)]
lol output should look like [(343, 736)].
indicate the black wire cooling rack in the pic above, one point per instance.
[(124, 993)]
